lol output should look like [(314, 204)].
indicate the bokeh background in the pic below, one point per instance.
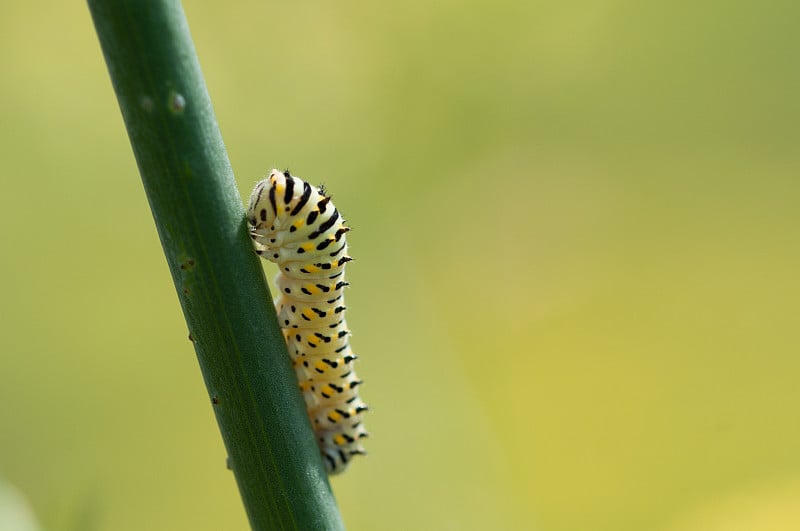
[(576, 293)]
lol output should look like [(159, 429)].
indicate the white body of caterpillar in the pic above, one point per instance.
[(295, 225)]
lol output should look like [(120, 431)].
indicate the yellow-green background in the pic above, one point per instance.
[(576, 294)]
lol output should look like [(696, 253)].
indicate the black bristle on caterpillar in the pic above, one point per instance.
[(296, 226)]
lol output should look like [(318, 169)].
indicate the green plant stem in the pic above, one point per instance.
[(220, 283)]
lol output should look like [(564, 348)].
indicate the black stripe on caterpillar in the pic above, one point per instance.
[(296, 226)]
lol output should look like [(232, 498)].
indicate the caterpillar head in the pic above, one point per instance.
[(267, 199)]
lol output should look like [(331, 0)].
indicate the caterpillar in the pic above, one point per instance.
[(296, 226)]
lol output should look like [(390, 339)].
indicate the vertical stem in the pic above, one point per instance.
[(220, 284)]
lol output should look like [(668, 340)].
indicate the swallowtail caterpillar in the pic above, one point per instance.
[(296, 226)]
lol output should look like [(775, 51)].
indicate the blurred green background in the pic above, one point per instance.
[(576, 293)]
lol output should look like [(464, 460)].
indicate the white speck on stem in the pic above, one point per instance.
[(177, 103)]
